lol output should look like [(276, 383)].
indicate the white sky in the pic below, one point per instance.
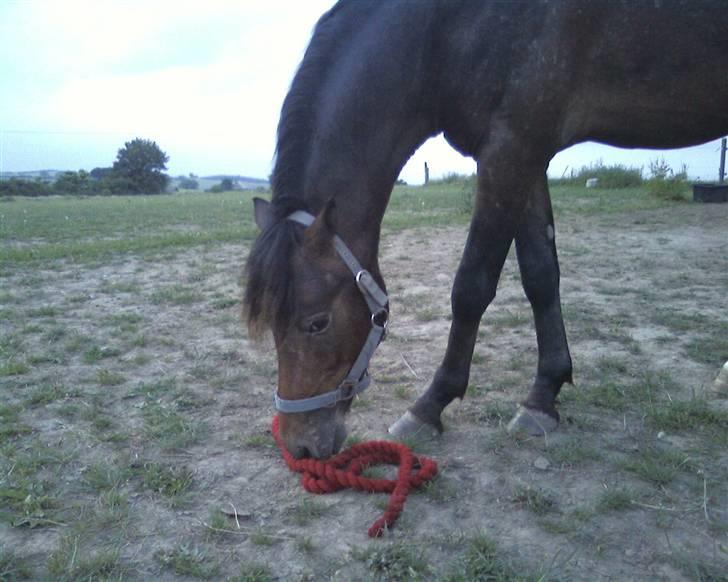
[(205, 80)]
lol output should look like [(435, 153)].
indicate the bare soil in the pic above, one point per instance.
[(645, 297)]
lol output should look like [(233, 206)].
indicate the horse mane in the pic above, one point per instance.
[(299, 113), (268, 299)]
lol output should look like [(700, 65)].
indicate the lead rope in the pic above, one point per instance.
[(344, 471)]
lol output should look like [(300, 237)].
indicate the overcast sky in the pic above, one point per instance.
[(204, 79)]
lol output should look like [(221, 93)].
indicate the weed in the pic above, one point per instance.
[(224, 303), (46, 311), (186, 560), (261, 538), (67, 563), (168, 480), (533, 499), (396, 561), (481, 561), (254, 572), (109, 378), (573, 452), (306, 510), (684, 415), (97, 353), (13, 368), (169, 428), (305, 545), (440, 489), (105, 477), (655, 465), (176, 295), (13, 567), (402, 392), (615, 500), (259, 441)]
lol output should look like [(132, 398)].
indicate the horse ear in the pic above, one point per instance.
[(263, 213), (320, 235)]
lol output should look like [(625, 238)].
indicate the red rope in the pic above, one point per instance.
[(344, 471)]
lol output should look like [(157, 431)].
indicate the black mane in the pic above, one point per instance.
[(268, 300), (299, 114)]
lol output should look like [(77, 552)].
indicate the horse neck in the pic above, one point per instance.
[(355, 113)]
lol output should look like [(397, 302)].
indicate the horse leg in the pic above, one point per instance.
[(538, 262), (506, 178)]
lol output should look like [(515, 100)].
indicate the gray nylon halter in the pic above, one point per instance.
[(357, 380)]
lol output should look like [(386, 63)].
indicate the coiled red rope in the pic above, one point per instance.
[(344, 471)]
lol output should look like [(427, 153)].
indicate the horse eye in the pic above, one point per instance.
[(318, 324)]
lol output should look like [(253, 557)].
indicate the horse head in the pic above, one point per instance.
[(326, 313)]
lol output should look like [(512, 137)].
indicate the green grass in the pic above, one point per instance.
[(85, 229), (395, 561), (533, 499), (187, 560), (71, 561), (482, 560), (13, 568), (168, 480), (254, 572), (615, 499), (656, 466), (307, 510)]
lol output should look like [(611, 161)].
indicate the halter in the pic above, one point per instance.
[(357, 380)]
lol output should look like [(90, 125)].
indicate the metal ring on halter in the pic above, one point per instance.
[(380, 318)]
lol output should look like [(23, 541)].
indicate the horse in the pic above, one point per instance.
[(509, 84)]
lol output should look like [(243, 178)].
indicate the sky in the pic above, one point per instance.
[(204, 79)]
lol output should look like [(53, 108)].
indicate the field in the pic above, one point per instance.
[(135, 413)]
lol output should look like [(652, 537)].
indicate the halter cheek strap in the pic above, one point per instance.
[(357, 380)]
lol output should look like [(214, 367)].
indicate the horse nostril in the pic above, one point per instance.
[(301, 452)]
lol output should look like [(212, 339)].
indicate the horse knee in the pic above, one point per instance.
[(541, 284), (471, 295)]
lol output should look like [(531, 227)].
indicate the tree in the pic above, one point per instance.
[(139, 165), (73, 183)]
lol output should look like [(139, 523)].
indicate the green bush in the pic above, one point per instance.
[(614, 176), (666, 184), (18, 187)]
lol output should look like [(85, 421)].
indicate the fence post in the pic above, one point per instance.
[(721, 171), (427, 174)]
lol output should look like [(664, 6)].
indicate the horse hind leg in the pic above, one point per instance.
[(539, 266)]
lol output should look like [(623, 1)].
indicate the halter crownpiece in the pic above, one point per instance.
[(357, 380)]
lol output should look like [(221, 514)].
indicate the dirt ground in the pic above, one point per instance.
[(645, 301)]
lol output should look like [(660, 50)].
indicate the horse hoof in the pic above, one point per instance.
[(532, 422), (409, 426)]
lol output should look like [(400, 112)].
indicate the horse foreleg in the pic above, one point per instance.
[(538, 262), (504, 186)]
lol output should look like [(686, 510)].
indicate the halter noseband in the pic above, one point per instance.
[(357, 380)]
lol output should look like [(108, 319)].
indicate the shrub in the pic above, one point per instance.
[(666, 184), (614, 176)]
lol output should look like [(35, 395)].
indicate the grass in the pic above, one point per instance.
[(169, 428), (95, 227), (656, 466), (533, 499), (117, 423), (615, 499), (187, 560), (306, 510), (13, 568), (482, 560), (396, 561), (168, 480)]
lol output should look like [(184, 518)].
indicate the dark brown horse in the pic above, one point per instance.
[(509, 83)]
